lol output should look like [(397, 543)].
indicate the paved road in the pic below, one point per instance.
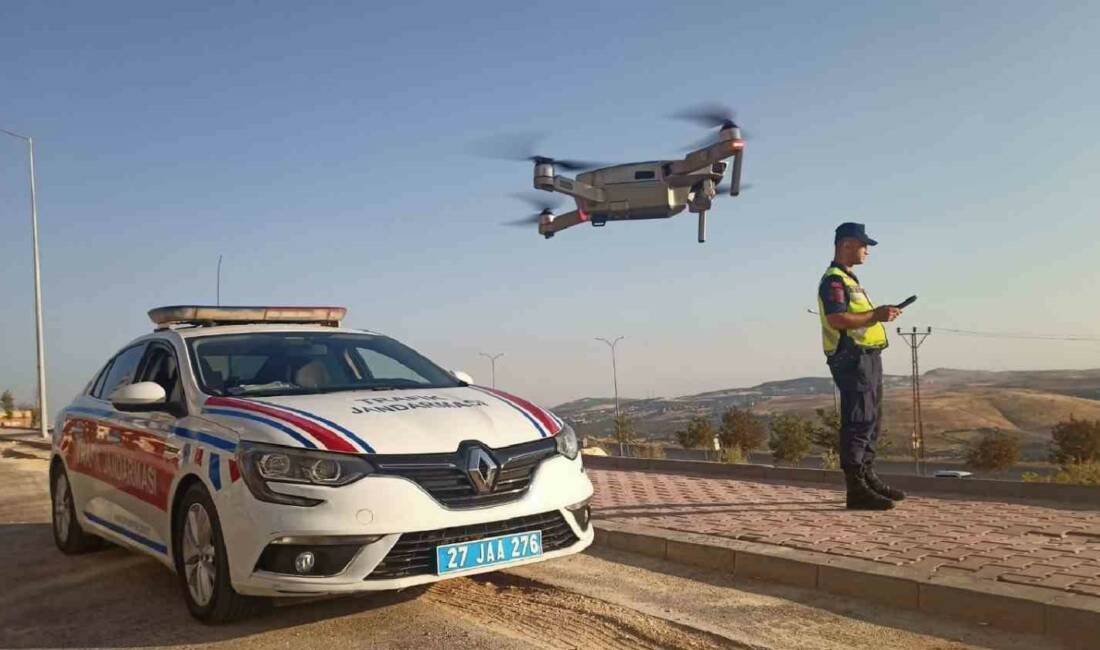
[(1041, 545), (602, 599)]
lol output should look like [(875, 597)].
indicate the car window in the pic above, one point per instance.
[(381, 366), (97, 385), (160, 367), (298, 363), (122, 370)]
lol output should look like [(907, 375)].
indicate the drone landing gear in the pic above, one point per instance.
[(702, 226)]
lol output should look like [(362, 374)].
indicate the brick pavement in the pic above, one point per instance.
[(1024, 543)]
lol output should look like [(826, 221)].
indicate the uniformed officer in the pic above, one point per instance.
[(854, 337)]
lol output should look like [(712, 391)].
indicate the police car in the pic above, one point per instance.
[(267, 451)]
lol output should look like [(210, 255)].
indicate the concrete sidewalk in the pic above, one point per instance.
[(1028, 559)]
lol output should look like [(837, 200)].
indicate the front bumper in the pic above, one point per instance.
[(389, 507)]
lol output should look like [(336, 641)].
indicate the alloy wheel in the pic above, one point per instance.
[(198, 554), (62, 506)]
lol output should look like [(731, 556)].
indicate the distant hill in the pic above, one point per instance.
[(957, 405)]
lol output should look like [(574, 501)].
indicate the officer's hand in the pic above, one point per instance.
[(886, 313)]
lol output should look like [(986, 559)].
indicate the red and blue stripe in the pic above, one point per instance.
[(545, 422), (309, 430)]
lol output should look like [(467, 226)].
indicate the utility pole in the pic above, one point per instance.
[(219, 281), (492, 366), (914, 339), (615, 384), (43, 412)]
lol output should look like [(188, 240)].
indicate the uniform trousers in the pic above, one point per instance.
[(858, 376)]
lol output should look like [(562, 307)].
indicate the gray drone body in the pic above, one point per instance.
[(656, 189)]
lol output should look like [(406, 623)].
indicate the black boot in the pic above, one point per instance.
[(876, 484), (862, 497)]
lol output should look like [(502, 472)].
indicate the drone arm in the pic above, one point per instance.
[(561, 222), (700, 158)]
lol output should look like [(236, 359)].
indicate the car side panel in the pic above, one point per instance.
[(125, 474)]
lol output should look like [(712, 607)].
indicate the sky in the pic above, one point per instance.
[(325, 150)]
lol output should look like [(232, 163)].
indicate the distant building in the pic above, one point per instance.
[(20, 419)]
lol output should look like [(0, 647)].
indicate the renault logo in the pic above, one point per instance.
[(482, 470)]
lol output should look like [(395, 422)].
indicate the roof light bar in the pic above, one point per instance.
[(206, 315)]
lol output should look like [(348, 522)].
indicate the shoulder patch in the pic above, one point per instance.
[(836, 291)]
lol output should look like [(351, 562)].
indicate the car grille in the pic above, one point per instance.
[(443, 475), (414, 553)]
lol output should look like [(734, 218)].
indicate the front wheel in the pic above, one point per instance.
[(202, 563), (70, 538)]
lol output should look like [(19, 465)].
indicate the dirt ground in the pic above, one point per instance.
[(601, 599)]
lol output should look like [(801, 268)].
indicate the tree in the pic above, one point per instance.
[(790, 438), (624, 431), (7, 402), (698, 433), (826, 432), (1075, 441), (743, 430), (994, 451)]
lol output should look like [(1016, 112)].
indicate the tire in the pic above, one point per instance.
[(202, 564), (70, 538)]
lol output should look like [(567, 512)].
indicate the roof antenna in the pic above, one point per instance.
[(219, 280)]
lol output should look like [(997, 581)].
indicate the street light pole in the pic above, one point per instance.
[(492, 365), (614, 381), (42, 410)]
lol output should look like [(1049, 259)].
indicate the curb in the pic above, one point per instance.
[(1069, 618), (37, 443), (986, 488)]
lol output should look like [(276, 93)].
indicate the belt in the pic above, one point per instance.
[(854, 351)]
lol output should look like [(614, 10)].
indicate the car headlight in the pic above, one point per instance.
[(567, 442), (265, 464)]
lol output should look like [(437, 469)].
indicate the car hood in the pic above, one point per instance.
[(414, 421)]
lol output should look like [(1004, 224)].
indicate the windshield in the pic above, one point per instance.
[(303, 363)]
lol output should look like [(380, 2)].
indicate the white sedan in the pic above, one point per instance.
[(266, 452)]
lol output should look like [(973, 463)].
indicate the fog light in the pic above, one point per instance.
[(582, 513), (304, 562)]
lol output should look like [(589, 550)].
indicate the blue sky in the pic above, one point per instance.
[(323, 149)]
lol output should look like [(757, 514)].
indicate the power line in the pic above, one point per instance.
[(1010, 335), (1017, 335)]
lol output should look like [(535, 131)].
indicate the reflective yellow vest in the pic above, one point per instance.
[(872, 337)]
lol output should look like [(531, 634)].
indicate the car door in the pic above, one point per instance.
[(84, 433), (146, 461), (93, 429)]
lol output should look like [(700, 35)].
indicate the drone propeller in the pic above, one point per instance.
[(521, 146), (711, 115), (544, 204), (569, 165), (525, 222), (541, 201)]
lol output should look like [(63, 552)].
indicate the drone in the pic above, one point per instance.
[(656, 189)]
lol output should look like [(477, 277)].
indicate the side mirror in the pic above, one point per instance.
[(142, 396), (463, 377)]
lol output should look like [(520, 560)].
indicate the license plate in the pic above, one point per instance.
[(487, 552)]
